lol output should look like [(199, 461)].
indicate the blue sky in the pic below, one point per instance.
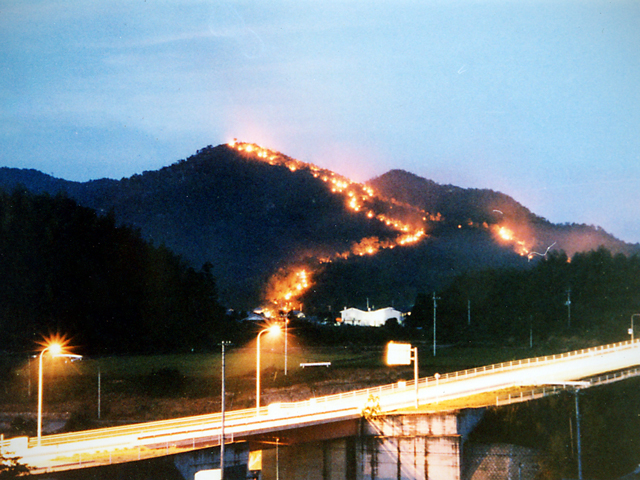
[(536, 99)]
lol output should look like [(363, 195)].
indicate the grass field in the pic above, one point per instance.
[(147, 387)]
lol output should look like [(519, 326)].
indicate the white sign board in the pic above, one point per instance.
[(398, 353), (208, 475)]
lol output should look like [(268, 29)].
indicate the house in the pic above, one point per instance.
[(370, 318), (255, 317)]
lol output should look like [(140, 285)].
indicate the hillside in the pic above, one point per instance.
[(467, 207), (269, 225), (66, 270)]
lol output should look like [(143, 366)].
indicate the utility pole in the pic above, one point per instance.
[(435, 307), (568, 304), (579, 445), (223, 344), (99, 392), (286, 346), (631, 329), (468, 312)]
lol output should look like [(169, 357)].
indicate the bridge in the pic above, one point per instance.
[(446, 410)]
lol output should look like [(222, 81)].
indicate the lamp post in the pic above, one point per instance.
[(435, 307), (271, 329), (286, 321), (223, 344), (577, 392), (55, 350)]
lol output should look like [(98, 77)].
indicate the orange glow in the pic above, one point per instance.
[(274, 329), (289, 284), (55, 344), (506, 234)]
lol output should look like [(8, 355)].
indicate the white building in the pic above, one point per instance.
[(370, 318)]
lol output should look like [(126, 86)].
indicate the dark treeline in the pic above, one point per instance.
[(513, 305), (65, 269)]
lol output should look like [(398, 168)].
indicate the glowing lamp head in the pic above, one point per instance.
[(55, 349), (274, 329)]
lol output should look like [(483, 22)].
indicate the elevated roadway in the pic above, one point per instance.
[(535, 376)]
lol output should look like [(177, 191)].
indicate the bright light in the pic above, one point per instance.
[(55, 349), (274, 329), (286, 287), (398, 353), (55, 344), (505, 234)]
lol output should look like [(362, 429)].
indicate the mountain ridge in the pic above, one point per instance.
[(252, 213)]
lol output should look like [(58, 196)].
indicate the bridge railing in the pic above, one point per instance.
[(493, 368), (504, 366), (539, 392), (354, 400)]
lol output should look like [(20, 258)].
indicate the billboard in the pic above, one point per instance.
[(398, 353)]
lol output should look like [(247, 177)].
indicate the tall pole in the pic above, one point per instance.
[(568, 304), (258, 374), (530, 336), (286, 324), (272, 328), (435, 306), (579, 446), (40, 395), (222, 395), (55, 350), (415, 372), (99, 392), (29, 382), (631, 329)]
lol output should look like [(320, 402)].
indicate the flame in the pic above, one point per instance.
[(288, 285), (507, 235)]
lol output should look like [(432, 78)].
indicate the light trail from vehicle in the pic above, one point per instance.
[(146, 440)]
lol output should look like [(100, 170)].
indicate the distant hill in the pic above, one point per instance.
[(252, 213), (461, 206)]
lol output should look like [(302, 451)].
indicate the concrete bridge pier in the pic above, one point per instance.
[(181, 466), (390, 447)]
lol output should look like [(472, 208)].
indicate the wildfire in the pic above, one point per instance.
[(505, 234), (285, 287), (288, 285)]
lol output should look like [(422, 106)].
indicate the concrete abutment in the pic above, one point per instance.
[(390, 447)]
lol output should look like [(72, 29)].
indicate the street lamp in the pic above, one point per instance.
[(223, 344), (55, 350), (271, 329)]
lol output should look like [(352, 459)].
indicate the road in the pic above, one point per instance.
[(145, 440)]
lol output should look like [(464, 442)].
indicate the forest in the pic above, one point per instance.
[(592, 296), (66, 270)]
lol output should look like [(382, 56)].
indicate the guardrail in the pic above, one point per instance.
[(539, 392), (347, 401), (458, 375)]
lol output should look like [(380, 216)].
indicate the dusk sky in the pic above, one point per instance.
[(537, 99)]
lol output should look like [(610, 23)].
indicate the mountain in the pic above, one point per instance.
[(278, 230), (483, 206)]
